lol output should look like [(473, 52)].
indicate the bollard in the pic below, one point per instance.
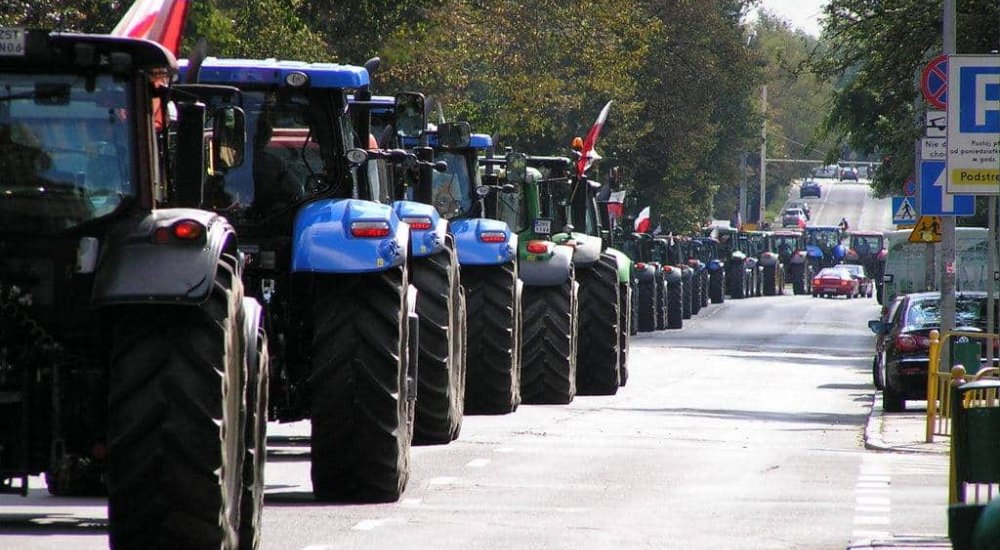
[(932, 383)]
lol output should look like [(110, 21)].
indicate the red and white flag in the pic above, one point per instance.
[(588, 154), (642, 221), (161, 21)]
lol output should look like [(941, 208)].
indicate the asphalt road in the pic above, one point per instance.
[(743, 430)]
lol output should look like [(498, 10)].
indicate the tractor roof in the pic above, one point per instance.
[(48, 52), (867, 233), (272, 72)]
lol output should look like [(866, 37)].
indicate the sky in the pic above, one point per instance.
[(802, 14)]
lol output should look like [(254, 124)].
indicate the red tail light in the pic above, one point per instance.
[(640, 266), (537, 247), (906, 344), (817, 281), (370, 230), (420, 223), (188, 230), (492, 236)]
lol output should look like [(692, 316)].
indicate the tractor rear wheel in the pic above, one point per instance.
[(798, 275), (258, 380), (624, 328), (360, 408), (770, 280), (441, 372), (175, 430), (493, 381), (647, 303), (687, 296), (675, 303), (696, 292), (548, 363), (598, 359), (717, 286)]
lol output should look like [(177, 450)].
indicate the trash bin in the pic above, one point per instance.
[(966, 352), (975, 448)]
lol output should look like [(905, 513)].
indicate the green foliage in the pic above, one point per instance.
[(875, 51), (90, 16)]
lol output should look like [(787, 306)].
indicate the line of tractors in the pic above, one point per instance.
[(189, 250)]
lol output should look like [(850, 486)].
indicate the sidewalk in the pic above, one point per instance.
[(901, 433)]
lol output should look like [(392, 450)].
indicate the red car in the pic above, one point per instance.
[(834, 281)]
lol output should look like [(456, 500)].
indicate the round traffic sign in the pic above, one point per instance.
[(910, 187), (934, 82)]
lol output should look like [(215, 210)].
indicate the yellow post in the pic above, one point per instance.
[(932, 382)]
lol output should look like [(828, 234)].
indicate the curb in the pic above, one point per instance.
[(875, 428)]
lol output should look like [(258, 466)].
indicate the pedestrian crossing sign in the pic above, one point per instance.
[(904, 211)]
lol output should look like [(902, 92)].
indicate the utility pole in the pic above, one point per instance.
[(744, 210), (763, 157), (948, 253)]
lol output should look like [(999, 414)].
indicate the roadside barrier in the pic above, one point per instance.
[(939, 382)]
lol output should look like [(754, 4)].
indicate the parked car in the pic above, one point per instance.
[(834, 281), (865, 283), (881, 341), (906, 344), (793, 217), (810, 188)]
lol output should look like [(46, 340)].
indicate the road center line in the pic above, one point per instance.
[(478, 463)]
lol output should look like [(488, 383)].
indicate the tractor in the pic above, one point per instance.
[(824, 246), (329, 258), (868, 248), (792, 253), (134, 361)]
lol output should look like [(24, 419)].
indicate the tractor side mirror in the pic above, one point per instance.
[(454, 134), (411, 116), (517, 168), (229, 133)]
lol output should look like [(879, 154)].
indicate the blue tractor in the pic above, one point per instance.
[(434, 261), (824, 247), (486, 249), (329, 259)]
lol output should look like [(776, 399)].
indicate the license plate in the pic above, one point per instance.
[(12, 42), (543, 227)]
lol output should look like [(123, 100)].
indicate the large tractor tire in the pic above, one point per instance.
[(258, 380), (441, 375), (798, 275), (705, 290), (493, 375), (598, 346), (737, 282), (696, 292), (360, 409), (717, 286), (647, 302), (688, 297), (770, 280), (624, 329), (633, 327), (548, 356), (175, 426), (662, 308), (675, 304)]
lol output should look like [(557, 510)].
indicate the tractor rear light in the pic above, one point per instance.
[(161, 235), (492, 236), (905, 344), (188, 230), (667, 269), (370, 230), (537, 247), (420, 223), (640, 266)]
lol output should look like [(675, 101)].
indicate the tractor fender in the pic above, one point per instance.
[(814, 251), (714, 265), (252, 320), (737, 256), (646, 273), (696, 264), (473, 250), (671, 274), (768, 259), (799, 257), (322, 241), (587, 250), (882, 254), (839, 252), (624, 264), (135, 268), (551, 271), (423, 242)]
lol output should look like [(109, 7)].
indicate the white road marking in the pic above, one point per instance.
[(872, 501), (872, 485), (871, 520), (864, 534), (370, 524), (871, 497), (478, 463), (318, 547), (505, 450), (411, 502)]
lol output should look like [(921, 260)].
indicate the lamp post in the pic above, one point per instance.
[(763, 157)]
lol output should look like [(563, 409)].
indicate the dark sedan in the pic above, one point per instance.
[(809, 189), (906, 344)]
